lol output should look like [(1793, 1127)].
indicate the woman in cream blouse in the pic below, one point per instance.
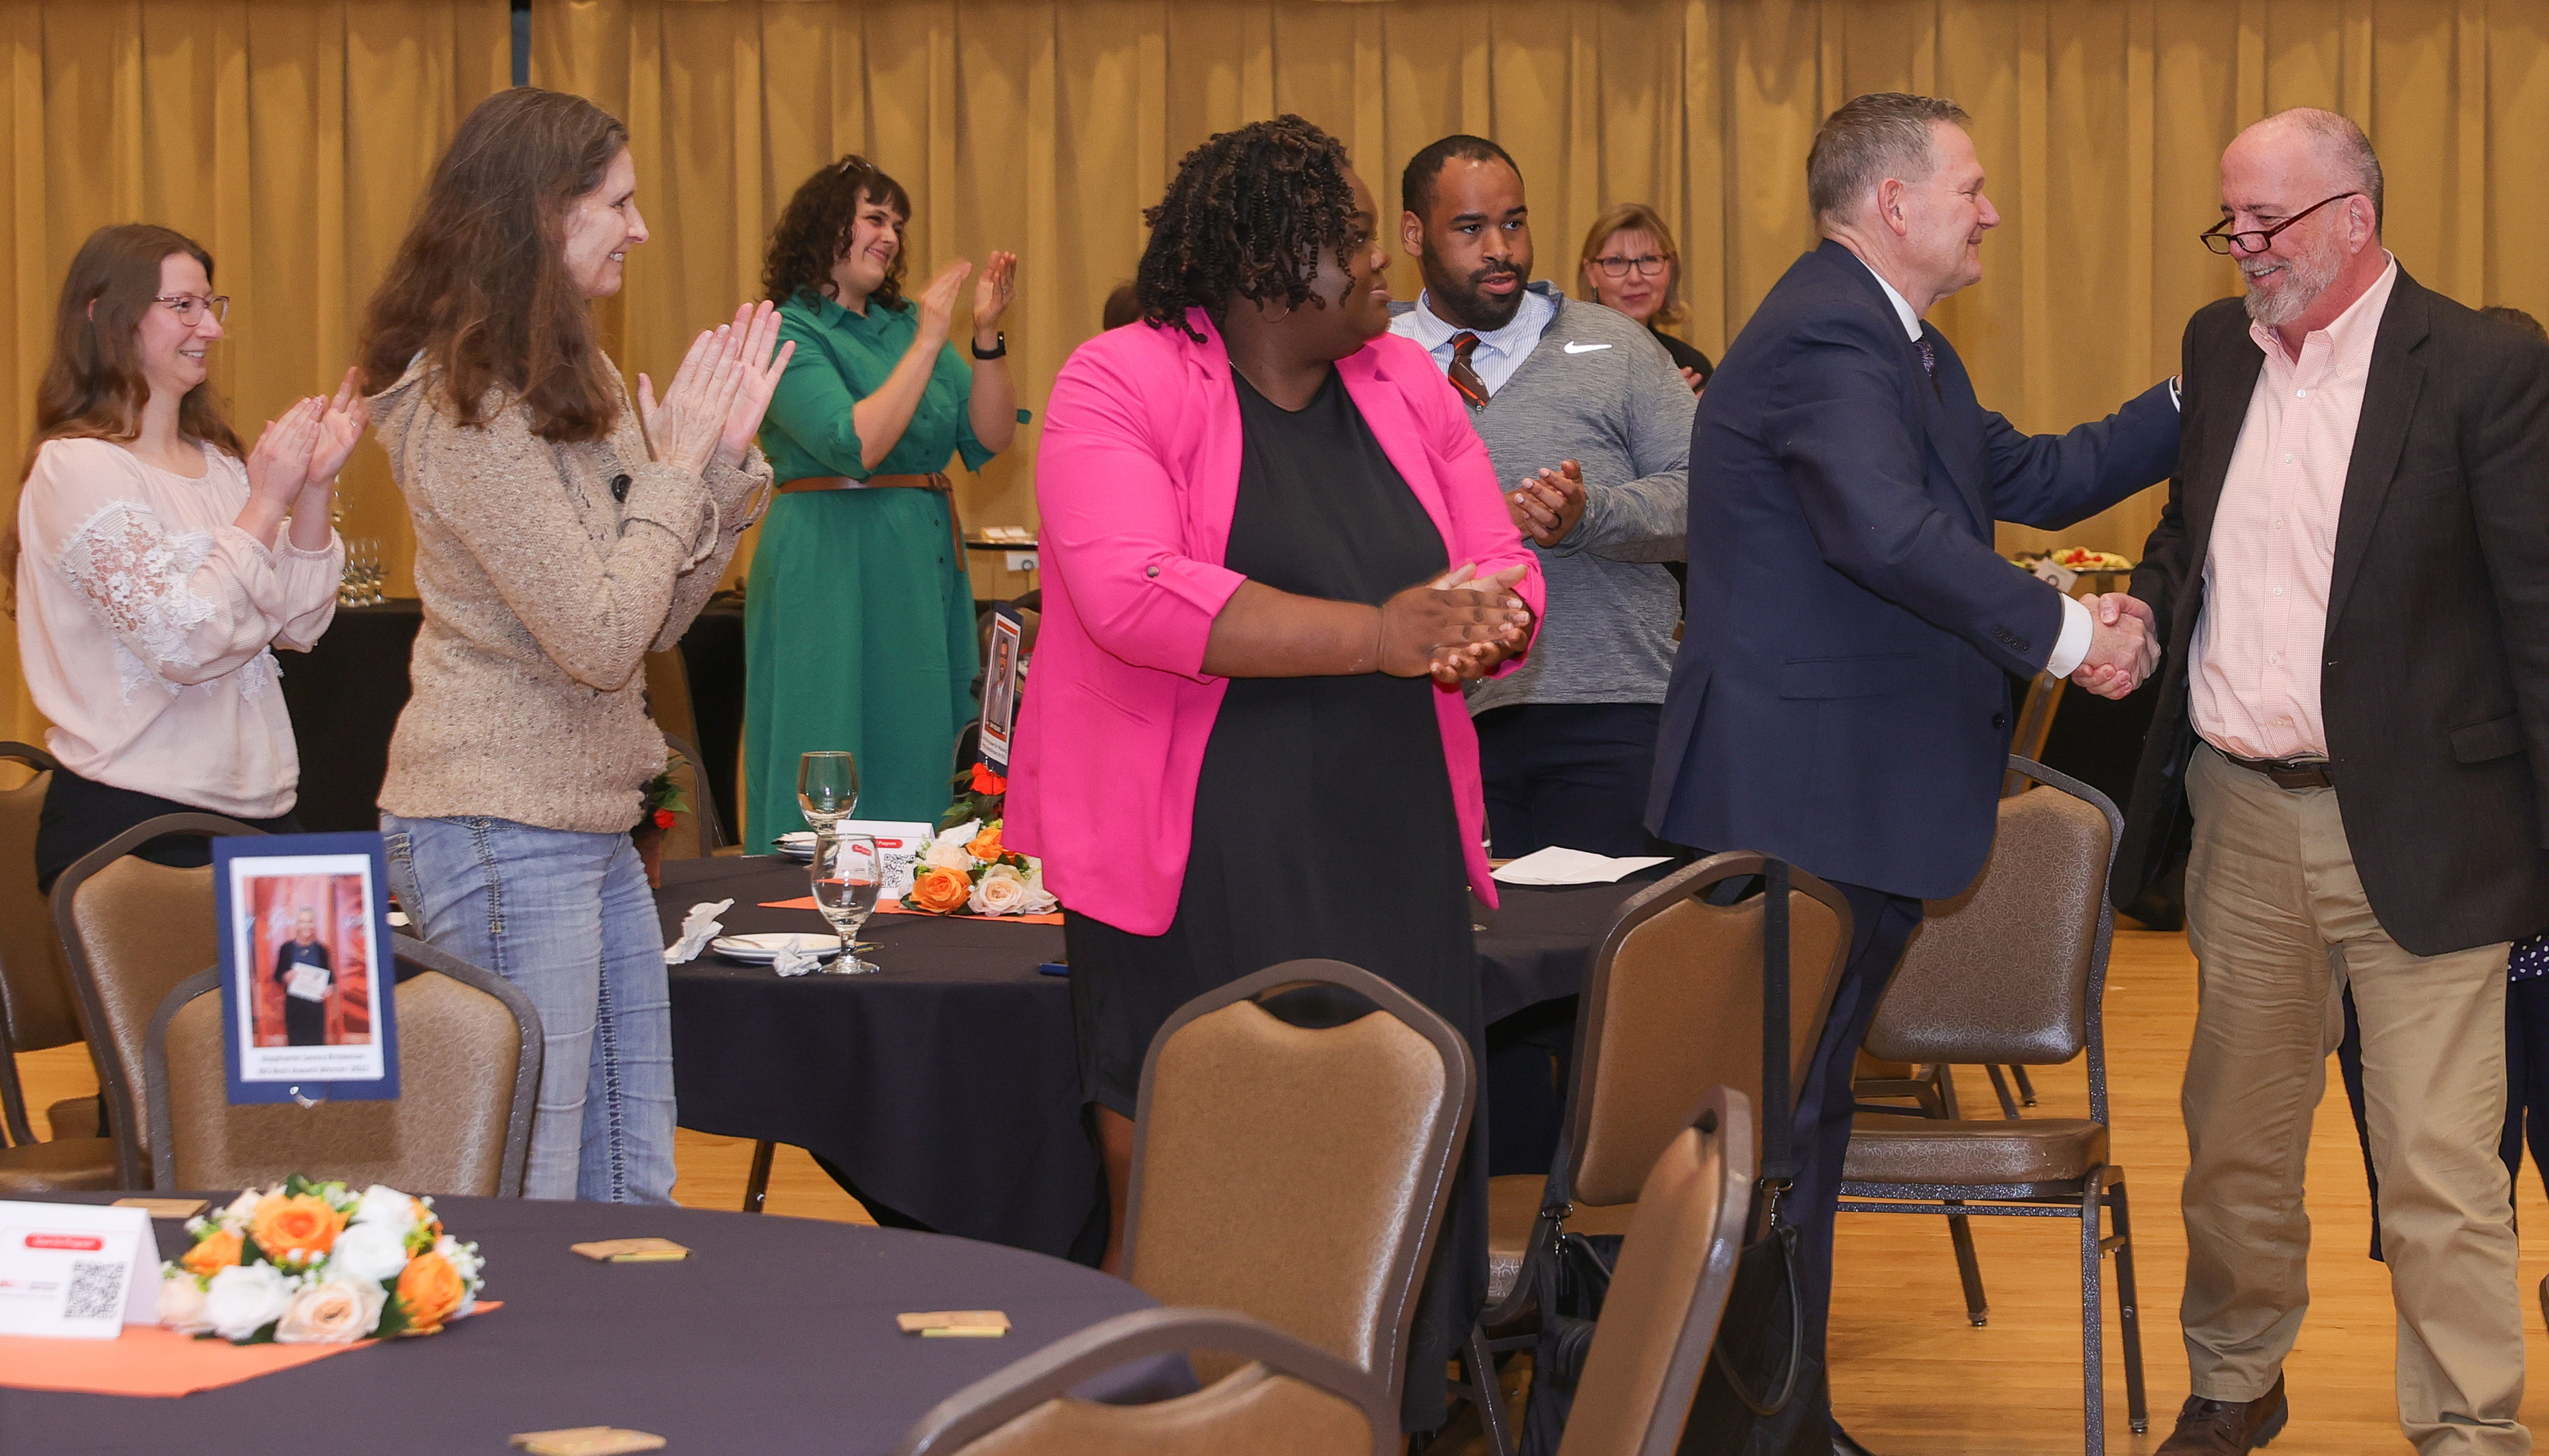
[(157, 564)]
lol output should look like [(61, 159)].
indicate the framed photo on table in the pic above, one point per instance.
[(308, 1009), (1000, 685)]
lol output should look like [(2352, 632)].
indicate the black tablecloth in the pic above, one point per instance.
[(947, 1085), (776, 1336)]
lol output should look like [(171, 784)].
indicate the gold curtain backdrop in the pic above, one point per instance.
[(290, 138), (293, 137)]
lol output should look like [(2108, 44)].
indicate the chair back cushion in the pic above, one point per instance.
[(444, 1133), (143, 928), (1673, 1008), (1251, 1410), (37, 1007), (2001, 972), (1676, 1268), (1296, 1174)]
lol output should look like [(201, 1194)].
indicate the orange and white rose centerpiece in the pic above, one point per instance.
[(318, 1264), (967, 868)]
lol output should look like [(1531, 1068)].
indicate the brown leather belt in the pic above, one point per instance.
[(2287, 773), (936, 481)]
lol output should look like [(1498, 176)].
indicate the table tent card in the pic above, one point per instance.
[(77, 1270), (1000, 685), (899, 846), (308, 1012)]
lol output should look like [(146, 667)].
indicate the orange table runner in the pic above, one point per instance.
[(806, 902), (150, 1361)]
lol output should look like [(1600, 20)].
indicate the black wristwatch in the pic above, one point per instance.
[(998, 350)]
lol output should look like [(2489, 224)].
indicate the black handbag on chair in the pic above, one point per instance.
[(1759, 1396)]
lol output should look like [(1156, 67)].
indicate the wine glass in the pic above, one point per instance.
[(847, 873), (827, 787)]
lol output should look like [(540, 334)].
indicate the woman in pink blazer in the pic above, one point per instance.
[(1275, 550)]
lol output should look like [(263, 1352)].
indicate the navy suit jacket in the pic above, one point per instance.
[(1840, 697)]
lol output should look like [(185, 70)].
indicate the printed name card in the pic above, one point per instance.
[(77, 1270)]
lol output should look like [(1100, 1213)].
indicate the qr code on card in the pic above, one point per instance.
[(97, 1290)]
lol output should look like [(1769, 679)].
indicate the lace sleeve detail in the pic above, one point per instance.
[(133, 577)]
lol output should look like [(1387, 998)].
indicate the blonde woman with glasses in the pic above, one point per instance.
[(1630, 264), (158, 564)]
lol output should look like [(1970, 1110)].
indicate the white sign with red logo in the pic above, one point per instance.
[(899, 846), (77, 1270)]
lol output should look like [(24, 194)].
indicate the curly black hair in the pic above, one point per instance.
[(1247, 214), (815, 228)]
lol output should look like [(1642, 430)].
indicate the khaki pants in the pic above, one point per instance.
[(2279, 923)]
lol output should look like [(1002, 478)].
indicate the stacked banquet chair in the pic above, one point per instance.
[(2013, 971), (469, 1049), (1676, 1268), (37, 1010), (1292, 1158), (1672, 1006)]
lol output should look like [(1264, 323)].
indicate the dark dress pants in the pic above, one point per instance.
[(1572, 774)]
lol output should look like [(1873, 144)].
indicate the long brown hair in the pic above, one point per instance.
[(1635, 217), (480, 285), (815, 231), (93, 387)]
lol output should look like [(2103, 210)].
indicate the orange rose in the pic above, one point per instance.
[(301, 1225), (986, 846), (429, 1289), (216, 1252), (941, 891)]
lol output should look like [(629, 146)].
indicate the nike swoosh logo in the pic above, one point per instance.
[(1576, 348)]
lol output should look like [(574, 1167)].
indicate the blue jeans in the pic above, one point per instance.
[(568, 919)]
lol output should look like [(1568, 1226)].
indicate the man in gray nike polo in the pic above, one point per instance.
[(1588, 423)]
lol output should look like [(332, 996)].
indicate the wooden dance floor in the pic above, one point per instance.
[(1912, 1377)]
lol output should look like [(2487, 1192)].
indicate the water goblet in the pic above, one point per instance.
[(847, 873), (827, 787)]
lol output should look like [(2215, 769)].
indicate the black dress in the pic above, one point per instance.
[(1323, 822), (1684, 356), (305, 1023)]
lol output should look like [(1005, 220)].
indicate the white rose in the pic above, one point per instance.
[(368, 1254), (385, 1205), (947, 850), (181, 1304), (246, 1298), (336, 1313), (464, 1259), (241, 1208), (1039, 901), (1001, 891)]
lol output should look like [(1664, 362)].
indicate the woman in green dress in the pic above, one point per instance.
[(859, 621)]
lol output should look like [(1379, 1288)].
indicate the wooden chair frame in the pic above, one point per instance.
[(13, 1097)]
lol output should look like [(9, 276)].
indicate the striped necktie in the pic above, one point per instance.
[(1464, 378)]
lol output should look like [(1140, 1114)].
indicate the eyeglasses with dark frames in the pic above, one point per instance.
[(1647, 264), (2254, 242), (189, 308)]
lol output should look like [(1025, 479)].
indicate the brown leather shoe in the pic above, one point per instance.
[(2227, 1427)]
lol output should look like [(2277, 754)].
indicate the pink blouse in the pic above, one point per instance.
[(147, 622)]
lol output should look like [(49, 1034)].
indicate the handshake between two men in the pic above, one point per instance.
[(2124, 644)]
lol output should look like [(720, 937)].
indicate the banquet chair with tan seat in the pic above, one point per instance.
[(469, 1054), (1671, 1008), (697, 832), (37, 1010), (1293, 1155), (1289, 1399), (1670, 1289), (130, 930), (2013, 971)]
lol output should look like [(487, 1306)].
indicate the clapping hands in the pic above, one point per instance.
[(2124, 644), (1547, 505), (1455, 628), (302, 450), (713, 408)]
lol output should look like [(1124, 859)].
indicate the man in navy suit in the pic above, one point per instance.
[(1840, 697)]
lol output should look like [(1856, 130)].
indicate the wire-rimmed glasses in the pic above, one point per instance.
[(2255, 242), (189, 308), (1647, 265)]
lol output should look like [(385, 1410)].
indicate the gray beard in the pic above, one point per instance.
[(2305, 279)]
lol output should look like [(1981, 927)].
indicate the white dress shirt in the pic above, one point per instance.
[(1497, 355)]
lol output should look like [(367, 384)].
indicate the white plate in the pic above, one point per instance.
[(797, 846), (763, 948)]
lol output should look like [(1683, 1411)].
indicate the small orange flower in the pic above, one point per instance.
[(215, 1253), (939, 891), (987, 781), (986, 846), (429, 1289), (663, 818), (302, 1223)]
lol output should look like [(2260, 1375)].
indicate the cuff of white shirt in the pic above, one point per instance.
[(2176, 400), (2072, 646)]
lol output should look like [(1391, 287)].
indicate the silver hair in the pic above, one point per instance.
[(1884, 133), (2344, 146)]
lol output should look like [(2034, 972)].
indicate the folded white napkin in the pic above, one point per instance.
[(1559, 865), (699, 928), (797, 962)]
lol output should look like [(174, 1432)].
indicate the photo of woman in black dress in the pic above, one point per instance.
[(307, 976)]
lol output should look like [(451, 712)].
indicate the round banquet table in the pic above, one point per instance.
[(946, 1086), (775, 1336)]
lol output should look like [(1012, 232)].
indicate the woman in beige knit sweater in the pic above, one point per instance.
[(560, 535)]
